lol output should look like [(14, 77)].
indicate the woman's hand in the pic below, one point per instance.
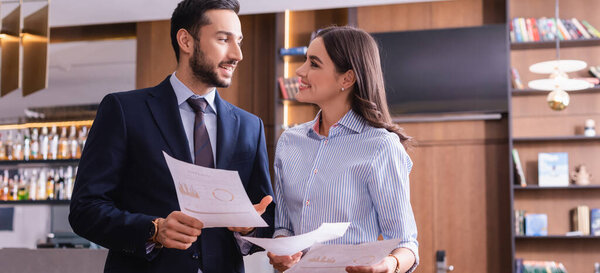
[(387, 265), (283, 263)]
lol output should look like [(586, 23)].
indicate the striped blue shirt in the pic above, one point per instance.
[(357, 174)]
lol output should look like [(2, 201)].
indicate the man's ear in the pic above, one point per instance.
[(185, 41)]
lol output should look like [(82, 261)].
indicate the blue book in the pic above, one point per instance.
[(536, 225), (293, 51), (553, 169), (595, 222)]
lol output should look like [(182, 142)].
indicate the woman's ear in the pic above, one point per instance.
[(185, 41), (348, 79)]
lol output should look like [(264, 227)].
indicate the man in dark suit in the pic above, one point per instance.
[(124, 197)]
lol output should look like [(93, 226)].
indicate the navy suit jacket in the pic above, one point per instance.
[(123, 182)]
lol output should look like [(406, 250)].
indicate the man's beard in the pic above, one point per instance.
[(203, 70)]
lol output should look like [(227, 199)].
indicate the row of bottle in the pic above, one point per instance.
[(38, 184), (26, 145)]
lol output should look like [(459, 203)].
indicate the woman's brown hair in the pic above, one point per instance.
[(354, 49)]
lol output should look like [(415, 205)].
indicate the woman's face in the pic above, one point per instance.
[(319, 81)]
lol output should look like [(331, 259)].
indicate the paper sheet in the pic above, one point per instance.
[(293, 244), (215, 197), (334, 258)]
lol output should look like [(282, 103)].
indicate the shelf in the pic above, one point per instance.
[(293, 102), (533, 92), (41, 161), (36, 202), (555, 139), (536, 187), (556, 237), (552, 44)]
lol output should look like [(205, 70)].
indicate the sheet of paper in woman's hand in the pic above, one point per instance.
[(215, 197), (335, 258), (293, 244)]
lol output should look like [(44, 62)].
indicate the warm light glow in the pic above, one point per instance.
[(46, 124), (8, 37), (33, 38), (286, 43), (285, 115)]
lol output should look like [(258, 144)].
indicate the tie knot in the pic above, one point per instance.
[(199, 105)]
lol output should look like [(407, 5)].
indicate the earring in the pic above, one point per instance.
[(342, 89)]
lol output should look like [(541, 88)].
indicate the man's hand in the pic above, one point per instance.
[(283, 263), (178, 230), (386, 265), (260, 208)]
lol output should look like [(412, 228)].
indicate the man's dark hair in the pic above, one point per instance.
[(190, 15)]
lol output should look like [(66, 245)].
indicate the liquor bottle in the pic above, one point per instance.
[(63, 145), (23, 191), (33, 185), (73, 143), (8, 146), (26, 145), (69, 182), (18, 147), (59, 186), (4, 189), (41, 191), (44, 144), (50, 186), (35, 144), (54, 143), (82, 139), (2, 149), (14, 188)]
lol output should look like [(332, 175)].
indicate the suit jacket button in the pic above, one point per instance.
[(195, 256)]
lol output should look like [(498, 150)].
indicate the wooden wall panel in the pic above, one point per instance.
[(420, 16), (155, 55), (460, 193)]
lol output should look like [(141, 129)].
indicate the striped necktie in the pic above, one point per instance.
[(203, 155)]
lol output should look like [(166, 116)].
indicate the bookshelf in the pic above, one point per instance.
[(294, 29), (536, 128), (552, 45)]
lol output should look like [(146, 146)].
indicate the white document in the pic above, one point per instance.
[(335, 258), (215, 197), (293, 244)]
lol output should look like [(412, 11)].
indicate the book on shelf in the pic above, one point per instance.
[(553, 169), (536, 224), (595, 71), (519, 173), (580, 219), (289, 87), (544, 29), (527, 266), (516, 79), (282, 88), (293, 51), (595, 222), (520, 222)]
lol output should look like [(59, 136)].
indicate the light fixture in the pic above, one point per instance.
[(558, 82)]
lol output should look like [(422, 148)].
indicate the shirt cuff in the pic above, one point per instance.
[(414, 249), (244, 245), (282, 232)]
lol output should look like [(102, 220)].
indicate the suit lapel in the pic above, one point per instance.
[(227, 131), (165, 111)]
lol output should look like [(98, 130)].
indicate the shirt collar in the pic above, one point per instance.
[(351, 120), (183, 93)]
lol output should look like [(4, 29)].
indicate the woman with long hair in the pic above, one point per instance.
[(350, 163)]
